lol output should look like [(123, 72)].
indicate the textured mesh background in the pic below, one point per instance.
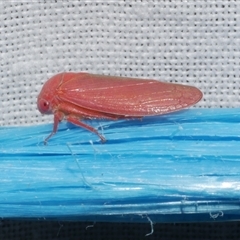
[(194, 42), (180, 41)]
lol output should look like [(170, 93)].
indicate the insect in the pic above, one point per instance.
[(76, 96)]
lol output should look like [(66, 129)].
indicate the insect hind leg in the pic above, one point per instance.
[(77, 122)]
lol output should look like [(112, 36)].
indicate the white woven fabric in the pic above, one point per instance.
[(196, 43)]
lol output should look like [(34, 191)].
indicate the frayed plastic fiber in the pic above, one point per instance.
[(177, 167)]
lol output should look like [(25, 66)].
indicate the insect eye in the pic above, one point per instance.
[(43, 105)]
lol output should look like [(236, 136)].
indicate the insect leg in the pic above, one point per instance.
[(75, 121), (57, 118)]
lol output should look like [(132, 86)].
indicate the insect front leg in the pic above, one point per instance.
[(77, 122), (58, 116)]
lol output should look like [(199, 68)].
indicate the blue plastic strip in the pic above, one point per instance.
[(177, 167)]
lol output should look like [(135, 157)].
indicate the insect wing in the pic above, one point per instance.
[(127, 96)]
